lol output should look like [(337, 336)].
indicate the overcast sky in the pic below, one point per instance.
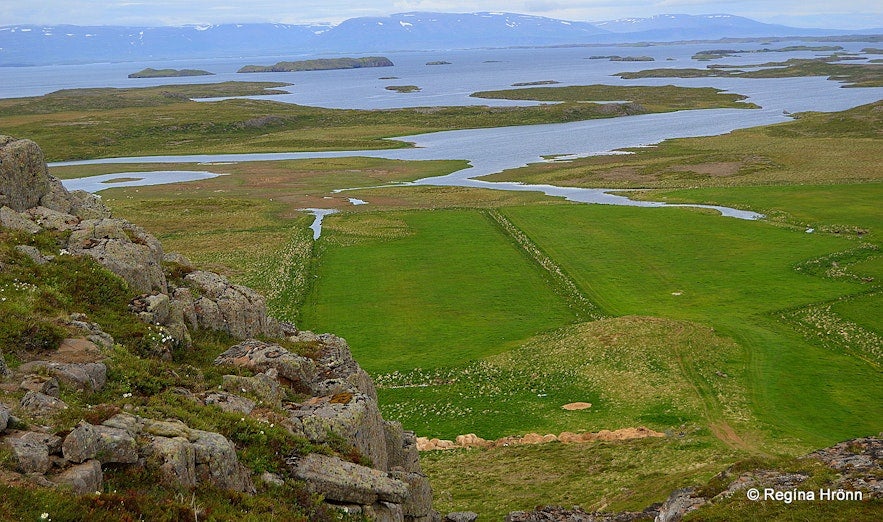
[(831, 14)]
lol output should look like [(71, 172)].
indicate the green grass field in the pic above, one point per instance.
[(736, 337)]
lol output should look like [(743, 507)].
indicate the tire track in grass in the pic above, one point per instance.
[(562, 283)]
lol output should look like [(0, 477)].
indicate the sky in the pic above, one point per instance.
[(837, 14)]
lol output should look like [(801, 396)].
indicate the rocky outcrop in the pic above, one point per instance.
[(342, 406), (23, 175), (31, 200)]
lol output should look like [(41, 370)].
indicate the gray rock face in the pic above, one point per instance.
[(678, 504), (57, 198), (23, 175), (401, 448), (31, 456), (41, 404), (264, 385), (176, 459), (184, 456), (341, 481), (9, 218), (40, 383), (82, 479), (52, 219), (293, 370), (78, 376), (461, 516), (355, 418), (338, 368), (81, 444), (216, 463), (235, 309), (419, 501), (230, 403), (124, 249), (115, 445)]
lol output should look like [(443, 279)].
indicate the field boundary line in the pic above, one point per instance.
[(563, 284)]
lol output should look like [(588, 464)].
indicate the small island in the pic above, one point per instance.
[(169, 73), (541, 82), (438, 62), (617, 58), (321, 64), (402, 88)]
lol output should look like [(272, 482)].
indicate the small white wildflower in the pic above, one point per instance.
[(272, 425), (242, 419), (262, 432), (45, 516)]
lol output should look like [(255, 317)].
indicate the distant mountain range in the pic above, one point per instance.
[(43, 45)]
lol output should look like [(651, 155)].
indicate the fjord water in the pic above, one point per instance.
[(496, 149)]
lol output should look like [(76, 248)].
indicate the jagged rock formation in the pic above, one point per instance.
[(388, 484), (324, 396), (31, 200)]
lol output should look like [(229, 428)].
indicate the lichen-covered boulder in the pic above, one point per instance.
[(176, 459), (24, 178), (235, 309), (30, 457), (292, 369), (345, 482), (40, 404), (115, 445), (81, 443), (216, 463), (82, 479), (354, 417), (419, 501), (124, 249)]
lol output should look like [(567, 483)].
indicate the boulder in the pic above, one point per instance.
[(31, 455), (337, 366), (57, 198), (175, 458), (40, 383), (10, 218), (265, 385), (230, 403), (461, 516), (152, 309), (32, 253), (82, 479), (81, 443), (87, 206), (53, 220), (679, 503), (293, 370), (355, 418), (115, 445), (79, 376), (235, 309), (217, 463), (401, 448), (4, 370), (384, 512), (93, 331), (419, 501), (41, 404), (124, 249), (345, 482), (24, 178), (4, 417)]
